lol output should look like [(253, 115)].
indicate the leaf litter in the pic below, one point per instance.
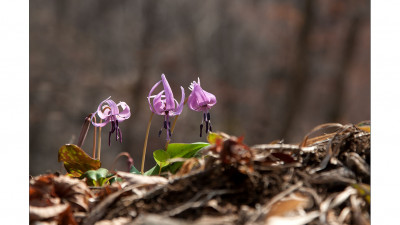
[(324, 179)]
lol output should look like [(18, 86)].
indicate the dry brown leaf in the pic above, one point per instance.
[(293, 220), (289, 206), (42, 213), (188, 166), (115, 221), (136, 179), (73, 191), (50, 195), (233, 151)]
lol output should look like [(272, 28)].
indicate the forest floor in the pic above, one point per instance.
[(325, 179)]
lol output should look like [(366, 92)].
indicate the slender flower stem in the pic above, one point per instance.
[(173, 125), (94, 140), (99, 143), (145, 142)]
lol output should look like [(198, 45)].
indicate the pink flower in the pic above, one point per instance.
[(108, 111), (165, 104), (201, 101)]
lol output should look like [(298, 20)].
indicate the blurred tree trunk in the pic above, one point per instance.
[(225, 66), (299, 76), (345, 63), (144, 52)]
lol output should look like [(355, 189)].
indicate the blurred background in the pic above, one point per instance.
[(277, 68)]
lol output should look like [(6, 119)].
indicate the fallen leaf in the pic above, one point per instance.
[(41, 213), (289, 205), (74, 191), (233, 151), (136, 179)]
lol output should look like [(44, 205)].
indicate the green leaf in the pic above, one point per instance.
[(134, 170), (153, 171), (175, 150), (181, 150), (97, 177), (76, 161), (174, 167), (115, 179), (161, 157)]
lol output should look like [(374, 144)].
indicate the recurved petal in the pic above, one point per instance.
[(103, 110), (126, 112), (113, 106), (159, 104), (151, 91), (178, 110), (169, 96), (102, 124)]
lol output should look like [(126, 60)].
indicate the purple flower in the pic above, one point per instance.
[(201, 100), (108, 111), (165, 104)]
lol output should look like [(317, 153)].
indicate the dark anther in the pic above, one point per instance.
[(169, 132), (112, 127), (201, 129), (204, 115), (210, 127), (165, 124), (169, 124), (159, 132), (206, 127), (208, 116)]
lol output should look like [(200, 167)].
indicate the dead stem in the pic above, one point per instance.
[(145, 142)]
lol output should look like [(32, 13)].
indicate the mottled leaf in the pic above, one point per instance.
[(76, 161)]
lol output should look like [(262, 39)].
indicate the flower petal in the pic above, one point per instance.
[(102, 124), (126, 112), (113, 106), (204, 99), (192, 102), (159, 104), (178, 110), (169, 96), (200, 100), (101, 111), (151, 91), (212, 100)]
